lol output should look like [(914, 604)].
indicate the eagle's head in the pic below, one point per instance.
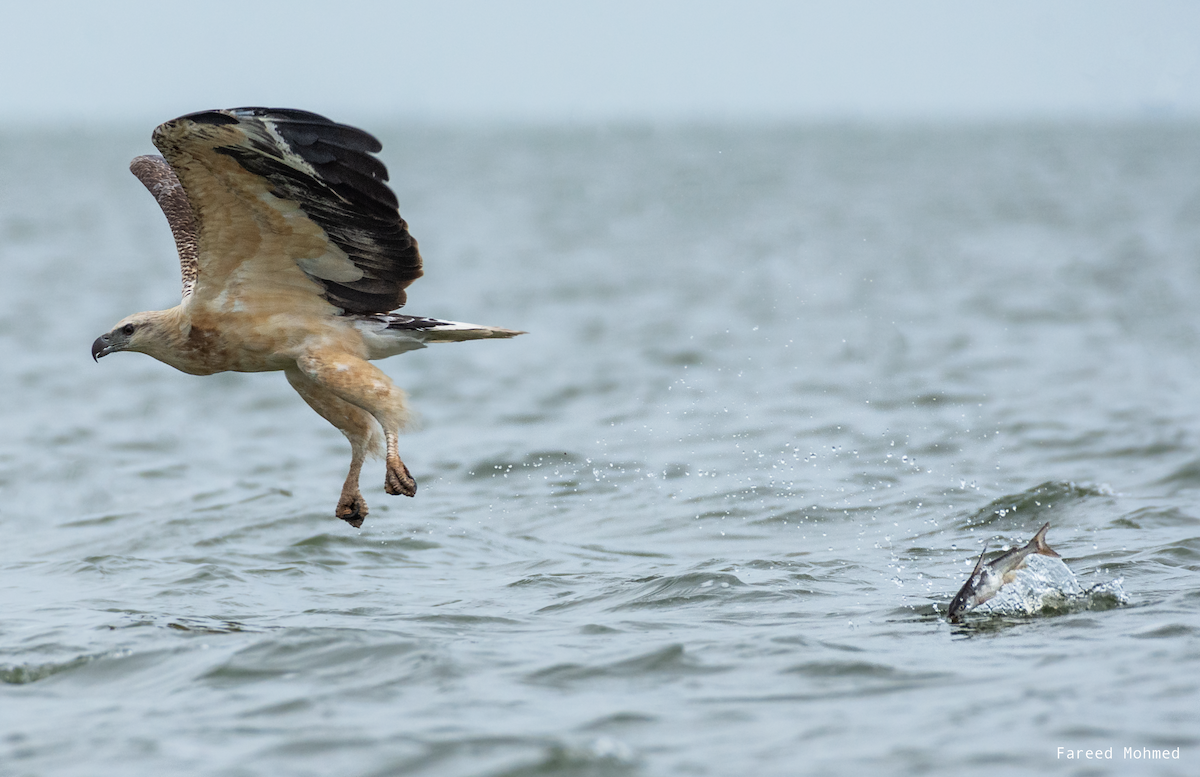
[(138, 332)]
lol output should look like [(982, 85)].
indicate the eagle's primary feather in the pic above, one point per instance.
[(293, 255)]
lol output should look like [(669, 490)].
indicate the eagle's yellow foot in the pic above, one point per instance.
[(352, 509), (398, 480)]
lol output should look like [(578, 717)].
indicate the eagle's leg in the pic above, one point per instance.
[(364, 385), (359, 428), (351, 506)]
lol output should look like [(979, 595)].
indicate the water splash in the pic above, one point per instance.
[(1048, 586)]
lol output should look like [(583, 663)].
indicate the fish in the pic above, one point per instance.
[(986, 580)]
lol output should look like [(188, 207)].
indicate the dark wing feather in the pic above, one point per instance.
[(328, 170), (158, 177)]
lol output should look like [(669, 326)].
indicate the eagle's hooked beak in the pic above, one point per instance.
[(116, 340), (102, 347)]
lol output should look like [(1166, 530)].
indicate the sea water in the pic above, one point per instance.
[(780, 386)]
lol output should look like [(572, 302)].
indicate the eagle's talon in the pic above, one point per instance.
[(398, 480), (352, 510)]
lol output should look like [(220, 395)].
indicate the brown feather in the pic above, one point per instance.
[(156, 175)]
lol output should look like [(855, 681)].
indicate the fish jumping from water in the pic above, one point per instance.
[(987, 579)]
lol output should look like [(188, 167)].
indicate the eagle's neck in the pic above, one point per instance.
[(169, 340)]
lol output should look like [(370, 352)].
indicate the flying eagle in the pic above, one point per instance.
[(294, 257)]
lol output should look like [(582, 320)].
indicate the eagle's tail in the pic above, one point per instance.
[(390, 334), (455, 331)]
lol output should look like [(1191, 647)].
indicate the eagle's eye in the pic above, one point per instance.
[(127, 330)]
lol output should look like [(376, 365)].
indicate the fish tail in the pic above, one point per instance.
[(1039, 543)]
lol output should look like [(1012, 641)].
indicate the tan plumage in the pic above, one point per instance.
[(293, 254)]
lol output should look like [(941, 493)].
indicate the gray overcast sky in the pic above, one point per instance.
[(127, 60)]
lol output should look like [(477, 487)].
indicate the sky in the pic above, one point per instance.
[(618, 60)]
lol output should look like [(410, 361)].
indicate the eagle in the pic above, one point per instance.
[(295, 258)]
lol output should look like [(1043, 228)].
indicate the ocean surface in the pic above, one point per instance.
[(779, 388)]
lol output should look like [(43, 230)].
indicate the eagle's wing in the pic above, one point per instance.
[(291, 207), (157, 176)]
